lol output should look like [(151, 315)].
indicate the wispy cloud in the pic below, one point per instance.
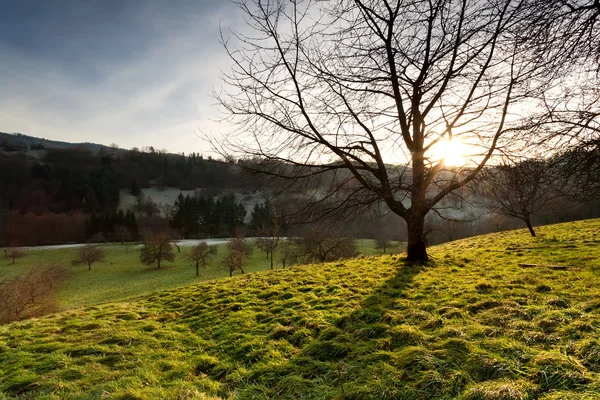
[(135, 76)]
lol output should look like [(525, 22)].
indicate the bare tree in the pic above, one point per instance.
[(88, 255), (580, 169), (200, 254), (122, 234), (14, 252), (240, 244), (237, 256), (521, 189), (174, 235), (157, 248), (288, 253), (269, 236), (569, 115), (320, 243), (569, 30), (383, 243), (98, 238), (366, 94), (31, 294)]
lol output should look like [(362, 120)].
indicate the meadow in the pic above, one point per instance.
[(122, 276), (498, 317)]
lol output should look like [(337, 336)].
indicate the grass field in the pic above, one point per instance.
[(471, 325), (122, 276)]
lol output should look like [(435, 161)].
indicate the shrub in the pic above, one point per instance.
[(31, 294)]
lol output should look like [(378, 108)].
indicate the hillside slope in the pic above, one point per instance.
[(471, 325)]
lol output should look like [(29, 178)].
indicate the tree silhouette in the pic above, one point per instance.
[(521, 189), (356, 100)]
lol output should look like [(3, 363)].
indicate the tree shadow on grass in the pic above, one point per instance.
[(348, 357)]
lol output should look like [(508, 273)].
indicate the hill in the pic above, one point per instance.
[(472, 324), (18, 141)]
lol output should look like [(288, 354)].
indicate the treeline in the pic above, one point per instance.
[(66, 180), (29, 229), (30, 186), (206, 216)]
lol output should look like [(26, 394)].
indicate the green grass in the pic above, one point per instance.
[(472, 324), (122, 276)]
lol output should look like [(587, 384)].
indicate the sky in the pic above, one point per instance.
[(136, 72)]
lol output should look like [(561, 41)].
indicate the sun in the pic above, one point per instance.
[(453, 152)]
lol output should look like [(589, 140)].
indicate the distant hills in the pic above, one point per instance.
[(18, 141)]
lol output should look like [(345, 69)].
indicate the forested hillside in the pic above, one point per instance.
[(56, 192)]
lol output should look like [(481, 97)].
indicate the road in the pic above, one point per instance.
[(187, 242)]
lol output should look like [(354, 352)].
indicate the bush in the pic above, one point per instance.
[(31, 294)]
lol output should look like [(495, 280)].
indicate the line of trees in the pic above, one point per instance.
[(58, 187), (196, 216), (120, 226)]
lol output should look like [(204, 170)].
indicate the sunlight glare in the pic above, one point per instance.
[(454, 153)]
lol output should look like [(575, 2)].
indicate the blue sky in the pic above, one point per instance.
[(133, 72)]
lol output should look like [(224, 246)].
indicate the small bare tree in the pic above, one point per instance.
[(200, 254), (14, 252), (320, 243), (235, 260), (287, 254), (122, 234), (383, 243), (157, 248), (268, 237), (97, 237), (31, 294), (241, 245), (521, 189), (88, 255), (175, 236)]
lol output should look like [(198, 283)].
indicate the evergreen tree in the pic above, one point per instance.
[(260, 218), (135, 189)]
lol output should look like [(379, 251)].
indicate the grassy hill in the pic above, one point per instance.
[(472, 324)]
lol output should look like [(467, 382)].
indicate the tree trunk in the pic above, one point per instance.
[(158, 260), (416, 248), (197, 268), (89, 266), (530, 227), (271, 261)]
